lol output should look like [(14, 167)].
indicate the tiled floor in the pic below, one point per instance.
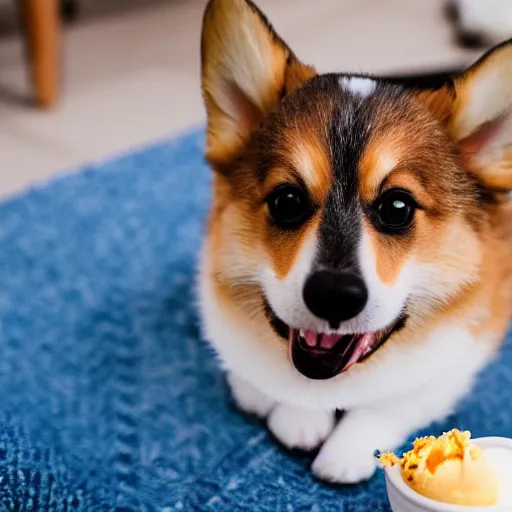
[(131, 72)]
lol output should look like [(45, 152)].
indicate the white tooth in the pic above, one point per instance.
[(301, 332)]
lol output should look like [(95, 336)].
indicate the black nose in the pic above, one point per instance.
[(335, 296)]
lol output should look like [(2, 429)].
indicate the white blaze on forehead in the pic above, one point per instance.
[(358, 85)]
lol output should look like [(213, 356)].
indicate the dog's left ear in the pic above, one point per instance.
[(246, 68), (477, 110)]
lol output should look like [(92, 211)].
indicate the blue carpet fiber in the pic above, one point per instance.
[(109, 399)]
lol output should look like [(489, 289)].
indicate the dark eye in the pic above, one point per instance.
[(289, 206), (394, 211)]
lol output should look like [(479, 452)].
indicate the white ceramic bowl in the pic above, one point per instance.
[(403, 499)]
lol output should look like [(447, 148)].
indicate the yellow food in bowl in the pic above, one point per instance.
[(449, 469)]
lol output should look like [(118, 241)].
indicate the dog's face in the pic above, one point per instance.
[(345, 207)]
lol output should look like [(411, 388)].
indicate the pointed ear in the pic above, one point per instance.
[(477, 109), (246, 70), (482, 118)]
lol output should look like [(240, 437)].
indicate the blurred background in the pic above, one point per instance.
[(82, 80)]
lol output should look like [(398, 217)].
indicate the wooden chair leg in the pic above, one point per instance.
[(41, 21)]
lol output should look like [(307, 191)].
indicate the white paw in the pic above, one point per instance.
[(340, 462), (300, 428), (347, 457), (248, 398)]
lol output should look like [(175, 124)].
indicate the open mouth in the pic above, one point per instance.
[(320, 355)]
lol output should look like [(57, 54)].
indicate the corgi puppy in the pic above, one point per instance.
[(358, 255)]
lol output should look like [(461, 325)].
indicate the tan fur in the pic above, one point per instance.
[(378, 161), (389, 255), (308, 161)]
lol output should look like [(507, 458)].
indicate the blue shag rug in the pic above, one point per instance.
[(109, 399)]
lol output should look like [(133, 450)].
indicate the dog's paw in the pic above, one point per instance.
[(248, 398), (298, 428), (338, 463), (347, 457)]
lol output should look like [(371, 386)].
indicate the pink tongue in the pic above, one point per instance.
[(328, 341), (310, 338), (325, 341)]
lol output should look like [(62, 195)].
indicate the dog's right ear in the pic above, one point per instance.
[(476, 108), (246, 70)]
